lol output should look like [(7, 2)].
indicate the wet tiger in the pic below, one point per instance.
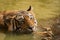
[(21, 21)]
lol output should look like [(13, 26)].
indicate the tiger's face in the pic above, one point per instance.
[(27, 21)]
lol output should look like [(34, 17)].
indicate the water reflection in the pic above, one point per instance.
[(21, 37)]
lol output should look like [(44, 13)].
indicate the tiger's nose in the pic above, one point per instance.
[(30, 29)]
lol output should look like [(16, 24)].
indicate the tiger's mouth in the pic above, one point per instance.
[(26, 30)]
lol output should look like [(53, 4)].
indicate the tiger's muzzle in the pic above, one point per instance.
[(22, 26)]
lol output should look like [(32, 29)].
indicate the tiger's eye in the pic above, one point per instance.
[(31, 17)]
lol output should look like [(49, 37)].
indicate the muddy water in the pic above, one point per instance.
[(18, 37)]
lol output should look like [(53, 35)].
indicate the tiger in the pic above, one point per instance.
[(22, 21)]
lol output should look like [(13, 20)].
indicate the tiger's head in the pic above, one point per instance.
[(21, 21), (26, 20)]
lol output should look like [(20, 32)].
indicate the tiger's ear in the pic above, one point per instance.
[(30, 8)]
